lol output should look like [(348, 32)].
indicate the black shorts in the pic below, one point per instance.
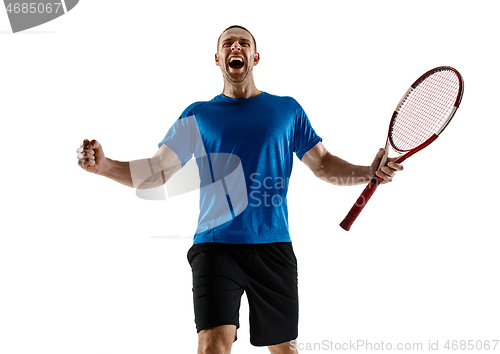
[(268, 275)]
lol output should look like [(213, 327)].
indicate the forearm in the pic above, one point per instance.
[(139, 174), (118, 171), (334, 170), (339, 172)]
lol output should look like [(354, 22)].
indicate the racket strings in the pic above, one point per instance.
[(425, 110)]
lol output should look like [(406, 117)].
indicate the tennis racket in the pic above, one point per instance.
[(420, 117)]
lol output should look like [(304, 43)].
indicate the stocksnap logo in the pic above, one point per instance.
[(25, 15)]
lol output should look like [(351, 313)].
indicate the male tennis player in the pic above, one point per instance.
[(250, 249)]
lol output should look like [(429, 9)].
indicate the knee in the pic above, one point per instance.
[(283, 348), (216, 340)]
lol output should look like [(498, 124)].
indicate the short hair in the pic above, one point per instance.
[(243, 28)]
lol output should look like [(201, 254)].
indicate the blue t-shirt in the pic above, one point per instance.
[(244, 153)]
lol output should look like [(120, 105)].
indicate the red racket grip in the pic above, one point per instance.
[(360, 204)]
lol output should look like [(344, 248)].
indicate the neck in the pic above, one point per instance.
[(244, 90)]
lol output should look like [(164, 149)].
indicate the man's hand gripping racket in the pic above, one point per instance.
[(420, 117)]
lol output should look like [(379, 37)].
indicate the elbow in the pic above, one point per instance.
[(157, 180), (321, 172)]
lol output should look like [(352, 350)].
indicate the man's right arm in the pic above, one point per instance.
[(142, 174)]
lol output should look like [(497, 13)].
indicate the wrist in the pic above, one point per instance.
[(104, 169), (367, 173), (360, 175)]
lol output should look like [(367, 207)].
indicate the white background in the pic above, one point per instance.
[(85, 265)]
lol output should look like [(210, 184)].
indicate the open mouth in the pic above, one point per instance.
[(236, 62)]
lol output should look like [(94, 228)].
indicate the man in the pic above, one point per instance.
[(246, 246)]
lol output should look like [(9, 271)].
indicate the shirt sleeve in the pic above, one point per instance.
[(184, 137), (305, 138)]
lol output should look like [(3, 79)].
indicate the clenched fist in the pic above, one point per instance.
[(91, 156)]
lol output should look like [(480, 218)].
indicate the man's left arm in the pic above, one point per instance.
[(334, 170)]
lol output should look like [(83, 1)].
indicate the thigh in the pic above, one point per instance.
[(272, 293), (217, 286)]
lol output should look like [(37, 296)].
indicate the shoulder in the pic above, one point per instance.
[(280, 98), (189, 111), (201, 106), (287, 101)]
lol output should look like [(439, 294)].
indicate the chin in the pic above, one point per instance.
[(238, 77)]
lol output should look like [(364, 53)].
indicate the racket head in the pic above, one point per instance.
[(426, 109)]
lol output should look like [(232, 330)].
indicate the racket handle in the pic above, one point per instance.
[(360, 204)]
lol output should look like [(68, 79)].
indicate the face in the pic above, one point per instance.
[(236, 55)]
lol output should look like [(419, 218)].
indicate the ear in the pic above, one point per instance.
[(217, 59), (256, 59)]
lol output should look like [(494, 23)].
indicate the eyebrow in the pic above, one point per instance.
[(232, 39)]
